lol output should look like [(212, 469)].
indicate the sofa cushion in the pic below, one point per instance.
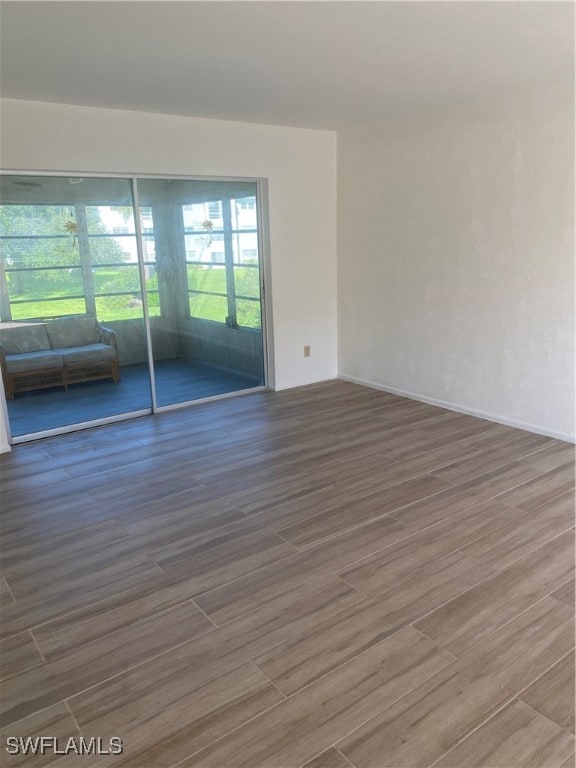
[(72, 332), (31, 337), (33, 361), (89, 353)]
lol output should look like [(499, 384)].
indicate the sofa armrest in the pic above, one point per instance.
[(107, 336)]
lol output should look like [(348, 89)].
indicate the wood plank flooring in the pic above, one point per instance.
[(328, 577)]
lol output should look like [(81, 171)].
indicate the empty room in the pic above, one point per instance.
[(287, 423)]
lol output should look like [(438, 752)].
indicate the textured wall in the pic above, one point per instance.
[(456, 260)]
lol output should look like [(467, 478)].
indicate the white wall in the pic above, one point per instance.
[(456, 260), (300, 166)]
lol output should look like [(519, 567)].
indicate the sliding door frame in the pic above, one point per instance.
[(263, 235)]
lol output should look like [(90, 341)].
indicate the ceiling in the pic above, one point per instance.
[(312, 64)]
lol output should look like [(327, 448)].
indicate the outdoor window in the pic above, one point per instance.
[(41, 268), (221, 243), (68, 249), (73, 259), (215, 210), (114, 275), (119, 284)]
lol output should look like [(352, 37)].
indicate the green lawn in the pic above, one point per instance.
[(246, 283), (108, 308)]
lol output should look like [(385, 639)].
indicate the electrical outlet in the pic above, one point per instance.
[(307, 350)]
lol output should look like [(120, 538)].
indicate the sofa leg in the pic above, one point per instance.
[(115, 372)]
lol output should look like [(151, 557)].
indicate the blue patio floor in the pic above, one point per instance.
[(177, 381)]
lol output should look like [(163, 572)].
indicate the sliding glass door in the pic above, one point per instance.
[(105, 313), (201, 247), (72, 328)]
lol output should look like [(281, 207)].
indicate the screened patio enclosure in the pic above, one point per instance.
[(170, 268)]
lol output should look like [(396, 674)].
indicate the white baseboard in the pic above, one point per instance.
[(566, 436)]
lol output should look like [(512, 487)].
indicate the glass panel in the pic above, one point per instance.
[(208, 277), (247, 282), (245, 246), (47, 310), (202, 217), (200, 229), (208, 307), (248, 313), (244, 212), (37, 260), (247, 286), (68, 250), (112, 279), (149, 249)]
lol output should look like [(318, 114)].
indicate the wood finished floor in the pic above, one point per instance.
[(321, 578)]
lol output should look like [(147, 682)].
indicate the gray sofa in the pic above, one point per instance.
[(65, 351)]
